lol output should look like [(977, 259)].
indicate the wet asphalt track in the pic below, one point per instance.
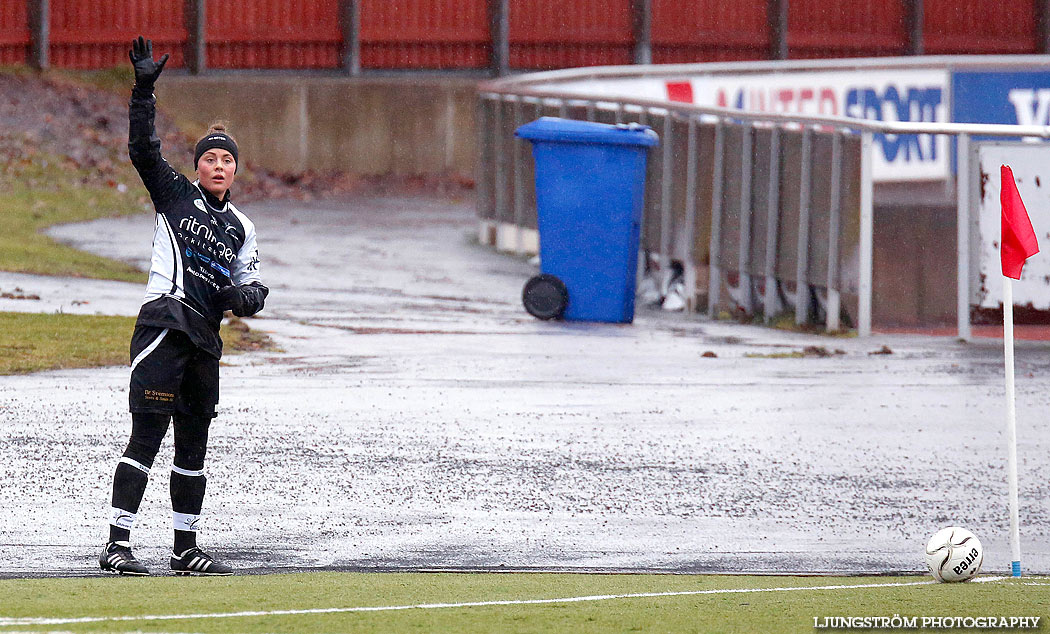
[(417, 418)]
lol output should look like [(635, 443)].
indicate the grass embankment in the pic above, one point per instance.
[(39, 191), (326, 602), (34, 342)]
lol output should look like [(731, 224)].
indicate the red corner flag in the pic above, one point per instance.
[(1018, 237)]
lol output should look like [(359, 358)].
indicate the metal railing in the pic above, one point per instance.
[(739, 198)]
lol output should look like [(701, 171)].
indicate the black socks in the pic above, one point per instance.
[(187, 475), (129, 483), (187, 497)]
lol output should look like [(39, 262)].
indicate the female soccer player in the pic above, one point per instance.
[(205, 261)]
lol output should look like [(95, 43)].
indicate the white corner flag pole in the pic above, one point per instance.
[(1011, 422)]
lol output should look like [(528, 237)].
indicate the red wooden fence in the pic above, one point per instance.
[(425, 34), (709, 30), (456, 34), (546, 34), (860, 28), (980, 26), (273, 34), (98, 34), (14, 31)]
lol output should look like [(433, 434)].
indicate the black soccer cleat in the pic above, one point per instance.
[(119, 560), (197, 562)]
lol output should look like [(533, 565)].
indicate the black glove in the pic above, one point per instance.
[(254, 295), (244, 301), (146, 70)]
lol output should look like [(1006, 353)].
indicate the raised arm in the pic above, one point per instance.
[(160, 179)]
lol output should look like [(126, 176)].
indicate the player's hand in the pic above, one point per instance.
[(146, 70), (254, 295), (229, 298), (243, 301)]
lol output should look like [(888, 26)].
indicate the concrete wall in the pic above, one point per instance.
[(365, 126)]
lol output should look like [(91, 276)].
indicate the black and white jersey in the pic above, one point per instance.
[(201, 244)]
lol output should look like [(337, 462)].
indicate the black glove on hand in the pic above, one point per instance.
[(244, 301), (254, 295), (229, 298), (146, 70)]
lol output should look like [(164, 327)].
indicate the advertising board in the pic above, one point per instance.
[(1017, 98), (883, 95)]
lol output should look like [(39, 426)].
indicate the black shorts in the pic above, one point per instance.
[(169, 374)]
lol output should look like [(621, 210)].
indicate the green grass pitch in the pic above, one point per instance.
[(504, 602)]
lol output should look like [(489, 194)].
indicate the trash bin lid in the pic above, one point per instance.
[(572, 131)]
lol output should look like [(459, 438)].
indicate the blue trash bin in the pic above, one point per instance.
[(590, 193)]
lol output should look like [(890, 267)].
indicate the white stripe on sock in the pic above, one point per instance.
[(121, 518), (134, 463), (186, 472), (184, 521)]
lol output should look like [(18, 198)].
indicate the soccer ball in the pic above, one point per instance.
[(954, 554)]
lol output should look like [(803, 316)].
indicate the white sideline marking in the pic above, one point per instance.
[(7, 622)]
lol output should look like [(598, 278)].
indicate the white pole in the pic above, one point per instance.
[(1011, 422), (867, 222), (962, 223)]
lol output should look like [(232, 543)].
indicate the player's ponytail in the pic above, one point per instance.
[(222, 127)]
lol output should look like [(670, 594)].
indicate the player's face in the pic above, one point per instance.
[(216, 170)]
